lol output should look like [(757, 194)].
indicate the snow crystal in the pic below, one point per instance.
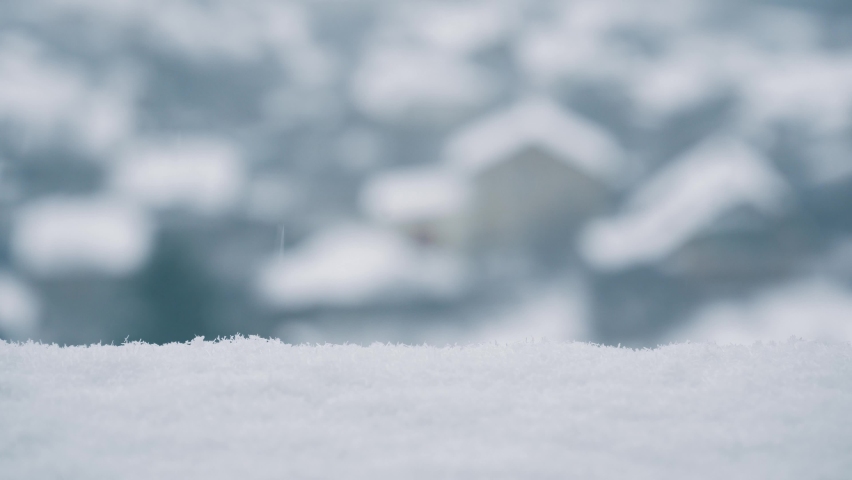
[(535, 122), (414, 194), (252, 408), (679, 202), (66, 235), (356, 265)]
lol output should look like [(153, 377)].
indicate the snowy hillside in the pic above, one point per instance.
[(251, 408)]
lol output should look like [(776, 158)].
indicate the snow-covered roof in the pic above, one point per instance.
[(203, 175), (47, 96), (535, 122), (418, 84), (413, 194), (356, 265), (62, 235), (681, 201), (458, 27)]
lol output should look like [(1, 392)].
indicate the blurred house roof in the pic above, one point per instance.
[(681, 201), (355, 265), (414, 194), (58, 236), (535, 122)]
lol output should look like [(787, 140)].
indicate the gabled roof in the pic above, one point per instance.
[(535, 122), (683, 200)]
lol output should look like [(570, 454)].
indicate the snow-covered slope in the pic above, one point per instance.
[(251, 408)]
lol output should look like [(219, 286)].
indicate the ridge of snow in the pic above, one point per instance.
[(261, 409), (535, 122), (680, 201)]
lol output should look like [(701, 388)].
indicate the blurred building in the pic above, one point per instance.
[(537, 172), (606, 170), (717, 222)]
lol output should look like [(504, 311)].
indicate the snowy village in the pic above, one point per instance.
[(426, 239), (425, 172)]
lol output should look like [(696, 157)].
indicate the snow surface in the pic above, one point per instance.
[(535, 122), (678, 203), (257, 409)]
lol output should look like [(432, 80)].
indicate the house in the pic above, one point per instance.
[(523, 179), (713, 223), (536, 173)]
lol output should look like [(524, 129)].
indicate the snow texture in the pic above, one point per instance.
[(254, 409)]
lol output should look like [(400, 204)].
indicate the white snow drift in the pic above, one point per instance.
[(257, 409)]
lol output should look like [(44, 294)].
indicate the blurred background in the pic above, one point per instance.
[(616, 171)]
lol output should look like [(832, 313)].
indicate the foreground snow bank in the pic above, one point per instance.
[(252, 408)]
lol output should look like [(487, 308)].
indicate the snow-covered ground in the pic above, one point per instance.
[(251, 408)]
